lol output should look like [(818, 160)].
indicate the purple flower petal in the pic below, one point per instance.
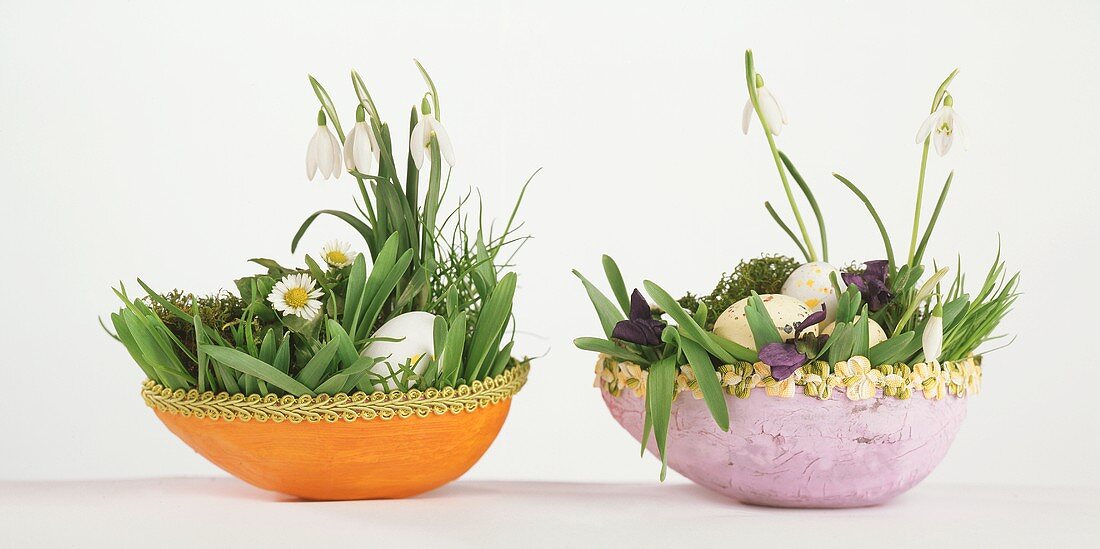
[(643, 332), (814, 319), (639, 307), (783, 358), (871, 284)]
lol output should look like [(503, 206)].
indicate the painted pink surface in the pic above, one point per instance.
[(801, 451)]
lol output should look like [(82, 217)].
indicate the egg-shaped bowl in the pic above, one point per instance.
[(801, 450), (342, 447)]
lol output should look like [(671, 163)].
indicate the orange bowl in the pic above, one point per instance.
[(378, 446)]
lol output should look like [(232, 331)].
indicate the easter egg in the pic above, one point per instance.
[(413, 335), (785, 312), (810, 284), (876, 333)]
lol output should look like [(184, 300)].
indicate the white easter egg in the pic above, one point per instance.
[(785, 312), (876, 333), (416, 343), (810, 284)]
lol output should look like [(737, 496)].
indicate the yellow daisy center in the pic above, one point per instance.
[(336, 257), (296, 298)]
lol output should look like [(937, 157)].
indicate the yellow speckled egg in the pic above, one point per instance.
[(810, 284), (876, 333), (785, 311)]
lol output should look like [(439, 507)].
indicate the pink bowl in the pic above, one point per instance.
[(801, 451)]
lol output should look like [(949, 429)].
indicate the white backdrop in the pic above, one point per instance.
[(167, 142)]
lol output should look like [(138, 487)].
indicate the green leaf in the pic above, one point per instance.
[(349, 376), (357, 280), (840, 343), (451, 360), (605, 309), (245, 364), (282, 356), (874, 215), (760, 322), (660, 391), (491, 322), (861, 335), (701, 314), (615, 280), (691, 330), (315, 369), (708, 382), (609, 348), (356, 223), (890, 351), (503, 358), (732, 348)]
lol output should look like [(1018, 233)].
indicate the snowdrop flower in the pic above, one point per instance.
[(944, 125), (323, 152), (932, 339), (421, 140), (770, 109), (360, 147), (337, 253), (296, 294)]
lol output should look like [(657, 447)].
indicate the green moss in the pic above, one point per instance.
[(220, 311), (765, 275)]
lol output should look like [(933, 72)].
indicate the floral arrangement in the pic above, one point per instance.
[(429, 305), (892, 327)]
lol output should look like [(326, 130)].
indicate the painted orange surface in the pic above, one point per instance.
[(361, 459)]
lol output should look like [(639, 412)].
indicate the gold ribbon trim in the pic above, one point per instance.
[(332, 408)]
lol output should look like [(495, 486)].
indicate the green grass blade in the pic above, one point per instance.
[(708, 382), (245, 364)]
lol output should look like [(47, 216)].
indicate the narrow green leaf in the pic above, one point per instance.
[(890, 351), (615, 280), (245, 364), (609, 348), (314, 370), (708, 382), (760, 322), (605, 309), (660, 391)]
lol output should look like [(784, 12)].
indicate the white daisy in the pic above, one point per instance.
[(296, 294), (338, 254)]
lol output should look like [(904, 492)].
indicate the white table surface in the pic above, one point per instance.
[(199, 512)]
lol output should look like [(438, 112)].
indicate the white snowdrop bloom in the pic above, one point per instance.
[(323, 152), (421, 140), (944, 125), (770, 108), (337, 253), (932, 339), (361, 146), (296, 294)]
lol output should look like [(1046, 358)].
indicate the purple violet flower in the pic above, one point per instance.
[(785, 358), (641, 327), (871, 284)]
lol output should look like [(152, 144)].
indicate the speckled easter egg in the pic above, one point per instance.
[(810, 284), (876, 333), (784, 310)]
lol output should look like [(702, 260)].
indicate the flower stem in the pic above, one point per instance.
[(920, 197), (751, 78), (812, 253), (936, 100)]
